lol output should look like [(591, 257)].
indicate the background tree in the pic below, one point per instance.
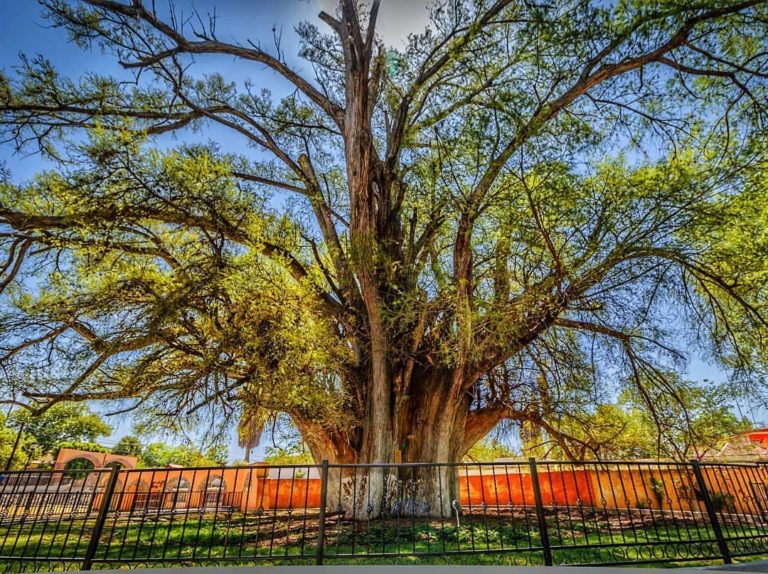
[(64, 424), (421, 243), (488, 450), (701, 425), (683, 425), (286, 444), (288, 454), (159, 454), (128, 445), (8, 438)]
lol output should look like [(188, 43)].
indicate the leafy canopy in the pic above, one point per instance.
[(527, 210), (159, 454), (63, 424)]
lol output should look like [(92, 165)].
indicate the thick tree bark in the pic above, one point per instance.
[(432, 430)]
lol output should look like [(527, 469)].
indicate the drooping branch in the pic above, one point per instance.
[(427, 265), (183, 45), (16, 254)]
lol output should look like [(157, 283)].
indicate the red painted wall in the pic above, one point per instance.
[(252, 488)]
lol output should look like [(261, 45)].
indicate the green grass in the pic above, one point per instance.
[(246, 539)]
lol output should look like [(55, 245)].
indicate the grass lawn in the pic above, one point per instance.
[(514, 538)]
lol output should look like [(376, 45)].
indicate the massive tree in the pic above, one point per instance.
[(413, 245)]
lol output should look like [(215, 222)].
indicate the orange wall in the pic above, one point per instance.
[(133, 485), (557, 488), (675, 487), (758, 436)]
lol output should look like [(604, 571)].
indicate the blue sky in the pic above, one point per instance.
[(24, 30)]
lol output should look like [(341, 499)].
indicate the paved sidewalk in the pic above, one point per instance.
[(755, 566)]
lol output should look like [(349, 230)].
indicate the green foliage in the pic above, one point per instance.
[(682, 421), (159, 454), (288, 446), (8, 437), (61, 424), (78, 464), (128, 445), (258, 315), (489, 450), (83, 445), (294, 454), (659, 490), (722, 501), (218, 454), (543, 203), (690, 419), (644, 503)]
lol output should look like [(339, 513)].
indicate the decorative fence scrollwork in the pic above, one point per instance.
[(534, 512)]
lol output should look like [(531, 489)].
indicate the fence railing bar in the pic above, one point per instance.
[(321, 526), (62, 504), (585, 512), (98, 528), (540, 515), (721, 543)]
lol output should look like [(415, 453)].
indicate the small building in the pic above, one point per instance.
[(68, 458), (747, 446), (759, 436)]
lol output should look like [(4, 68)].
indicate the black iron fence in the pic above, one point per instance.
[(487, 513)]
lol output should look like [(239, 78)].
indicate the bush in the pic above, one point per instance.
[(82, 445), (722, 501)]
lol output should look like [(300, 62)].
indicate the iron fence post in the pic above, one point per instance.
[(721, 543), (542, 519), (323, 501), (101, 518)]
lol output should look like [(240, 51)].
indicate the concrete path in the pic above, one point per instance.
[(755, 566)]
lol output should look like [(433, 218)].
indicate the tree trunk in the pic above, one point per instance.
[(427, 437), (431, 431), (425, 488)]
